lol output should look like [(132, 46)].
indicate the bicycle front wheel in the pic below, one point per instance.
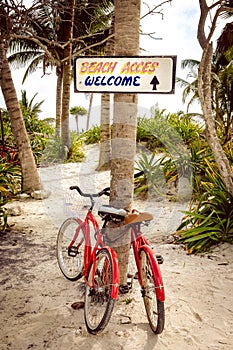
[(70, 249), (154, 307), (98, 302)]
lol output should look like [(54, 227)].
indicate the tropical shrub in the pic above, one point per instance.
[(3, 216), (152, 180), (187, 128), (211, 221), (146, 137), (161, 176), (196, 164), (54, 150), (10, 184), (77, 154), (10, 179), (92, 135), (38, 131), (156, 132), (167, 131)]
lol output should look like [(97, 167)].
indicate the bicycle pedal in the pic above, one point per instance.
[(124, 288), (159, 259), (73, 251)]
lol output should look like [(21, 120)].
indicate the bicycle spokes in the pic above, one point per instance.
[(70, 249), (98, 301), (154, 307)]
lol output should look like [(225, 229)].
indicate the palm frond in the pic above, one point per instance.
[(190, 63), (32, 67), (21, 59)]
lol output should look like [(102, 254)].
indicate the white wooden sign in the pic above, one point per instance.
[(143, 74)]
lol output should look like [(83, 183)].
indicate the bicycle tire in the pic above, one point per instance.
[(71, 265), (98, 302), (154, 307)]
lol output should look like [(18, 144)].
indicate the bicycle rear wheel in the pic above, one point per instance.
[(154, 307), (98, 302), (70, 259)]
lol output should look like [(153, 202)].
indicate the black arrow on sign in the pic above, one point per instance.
[(154, 82)]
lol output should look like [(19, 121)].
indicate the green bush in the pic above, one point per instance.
[(186, 127), (10, 179), (92, 135), (211, 221), (153, 178), (77, 154), (167, 131), (3, 215), (54, 151), (10, 184), (39, 131)]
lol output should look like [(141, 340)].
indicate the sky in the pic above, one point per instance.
[(178, 33)]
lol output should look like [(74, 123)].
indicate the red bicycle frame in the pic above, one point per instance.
[(140, 243), (90, 253)]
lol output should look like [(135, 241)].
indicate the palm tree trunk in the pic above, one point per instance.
[(68, 20), (127, 21), (105, 130), (65, 129), (204, 88), (2, 131), (89, 112), (76, 121), (58, 102), (30, 175), (105, 134)]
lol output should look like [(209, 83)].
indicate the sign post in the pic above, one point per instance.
[(112, 74)]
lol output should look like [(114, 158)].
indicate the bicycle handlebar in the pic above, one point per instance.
[(105, 191)]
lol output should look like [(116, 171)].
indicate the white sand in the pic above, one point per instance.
[(35, 299)]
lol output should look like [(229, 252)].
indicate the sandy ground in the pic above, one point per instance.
[(35, 298)]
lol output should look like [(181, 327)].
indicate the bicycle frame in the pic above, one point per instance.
[(139, 243), (90, 253)]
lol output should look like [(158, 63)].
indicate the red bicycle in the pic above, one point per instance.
[(99, 264)]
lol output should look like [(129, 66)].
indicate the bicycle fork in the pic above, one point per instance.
[(115, 273), (155, 269)]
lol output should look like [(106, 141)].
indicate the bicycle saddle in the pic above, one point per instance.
[(137, 217), (105, 209)]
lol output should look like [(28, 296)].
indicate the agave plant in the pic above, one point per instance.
[(152, 180), (211, 221)]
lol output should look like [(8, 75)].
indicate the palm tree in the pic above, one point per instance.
[(27, 105), (204, 88), (223, 97), (105, 128), (30, 176), (190, 87), (49, 43), (78, 111), (127, 21), (66, 34), (221, 86), (38, 47)]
